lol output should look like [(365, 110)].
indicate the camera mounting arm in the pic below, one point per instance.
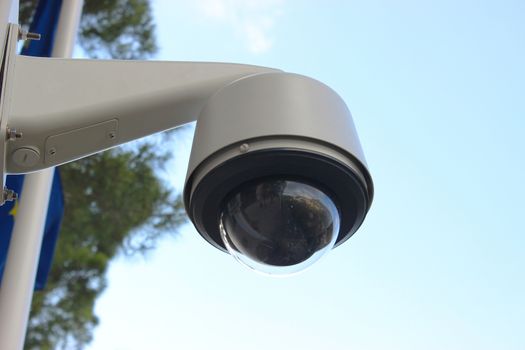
[(58, 110)]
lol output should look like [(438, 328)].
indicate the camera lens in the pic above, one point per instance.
[(278, 226)]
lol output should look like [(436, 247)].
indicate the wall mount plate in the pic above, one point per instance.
[(6, 68)]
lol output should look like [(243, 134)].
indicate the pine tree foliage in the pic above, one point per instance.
[(122, 29), (114, 201)]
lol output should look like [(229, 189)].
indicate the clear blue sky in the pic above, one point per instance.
[(437, 93)]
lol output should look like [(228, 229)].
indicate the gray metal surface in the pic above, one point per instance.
[(7, 62), (284, 107), (73, 95)]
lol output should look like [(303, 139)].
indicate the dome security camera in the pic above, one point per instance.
[(277, 176)]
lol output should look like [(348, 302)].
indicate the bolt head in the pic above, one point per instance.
[(9, 195)]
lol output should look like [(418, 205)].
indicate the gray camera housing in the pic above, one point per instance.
[(276, 125)]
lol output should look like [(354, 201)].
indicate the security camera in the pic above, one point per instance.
[(277, 176)]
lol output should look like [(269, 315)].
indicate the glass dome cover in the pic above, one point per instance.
[(278, 226)]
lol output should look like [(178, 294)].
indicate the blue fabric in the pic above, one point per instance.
[(44, 22)]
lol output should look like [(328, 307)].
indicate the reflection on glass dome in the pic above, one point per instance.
[(279, 226)]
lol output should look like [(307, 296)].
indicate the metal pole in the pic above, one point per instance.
[(8, 14), (67, 28), (24, 250)]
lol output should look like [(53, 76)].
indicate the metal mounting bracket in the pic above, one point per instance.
[(6, 68)]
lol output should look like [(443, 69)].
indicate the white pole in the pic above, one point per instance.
[(8, 14), (18, 281), (67, 28)]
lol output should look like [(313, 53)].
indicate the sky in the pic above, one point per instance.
[(436, 92)]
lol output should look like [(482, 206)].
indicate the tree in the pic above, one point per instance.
[(114, 201), (122, 29)]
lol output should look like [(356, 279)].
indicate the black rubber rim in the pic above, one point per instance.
[(334, 178)]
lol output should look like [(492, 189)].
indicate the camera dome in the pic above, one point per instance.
[(278, 226), (269, 151)]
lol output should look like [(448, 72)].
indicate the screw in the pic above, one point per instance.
[(9, 195), (112, 135), (244, 148), (52, 151), (25, 35), (12, 134)]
